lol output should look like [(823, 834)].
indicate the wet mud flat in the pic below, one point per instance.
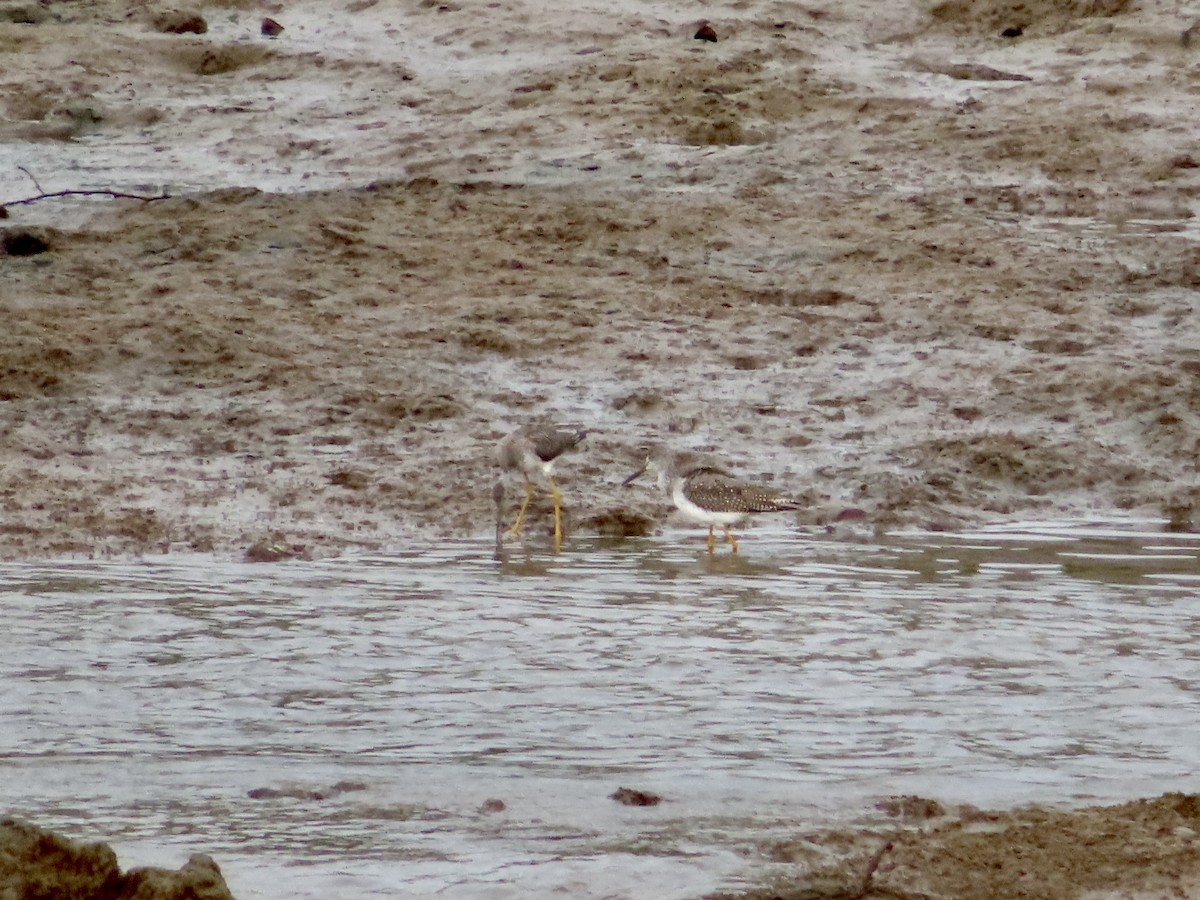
[(1141, 849), (830, 246), (932, 265)]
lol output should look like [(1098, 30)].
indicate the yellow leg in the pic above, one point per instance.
[(554, 492), (516, 526), (730, 538), (710, 540)]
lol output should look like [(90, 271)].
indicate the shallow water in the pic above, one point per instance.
[(334, 728)]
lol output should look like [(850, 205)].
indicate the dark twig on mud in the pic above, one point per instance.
[(32, 178), (46, 195), (871, 867), (117, 194)]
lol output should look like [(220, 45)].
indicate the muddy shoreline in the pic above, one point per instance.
[(892, 283), (929, 265), (231, 374)]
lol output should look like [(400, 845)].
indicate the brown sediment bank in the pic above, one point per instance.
[(931, 262), (36, 862), (897, 261)]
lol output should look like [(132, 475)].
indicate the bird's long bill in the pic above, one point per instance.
[(632, 478)]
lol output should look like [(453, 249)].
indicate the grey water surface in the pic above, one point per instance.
[(345, 727)]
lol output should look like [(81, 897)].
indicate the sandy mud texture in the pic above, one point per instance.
[(919, 263), (1142, 849), (36, 863), (911, 269), (919, 851)]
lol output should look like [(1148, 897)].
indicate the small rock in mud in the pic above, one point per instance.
[(631, 797), (35, 862), (199, 877), (349, 479), (271, 549), (20, 242), (706, 33), (24, 15), (271, 28), (176, 21), (492, 805)]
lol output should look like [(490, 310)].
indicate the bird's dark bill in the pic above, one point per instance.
[(632, 478)]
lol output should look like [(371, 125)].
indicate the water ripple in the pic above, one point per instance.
[(189, 702)]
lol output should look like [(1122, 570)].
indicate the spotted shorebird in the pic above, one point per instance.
[(708, 494), (533, 449)]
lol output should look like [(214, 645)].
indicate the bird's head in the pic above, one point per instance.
[(655, 460)]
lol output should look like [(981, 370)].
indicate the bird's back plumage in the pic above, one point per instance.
[(551, 441), (533, 448), (715, 490)]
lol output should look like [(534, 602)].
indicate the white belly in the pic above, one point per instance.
[(699, 513)]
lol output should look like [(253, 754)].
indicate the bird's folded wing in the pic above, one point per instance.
[(715, 490)]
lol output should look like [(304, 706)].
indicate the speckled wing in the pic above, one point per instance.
[(719, 491), (551, 441)]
